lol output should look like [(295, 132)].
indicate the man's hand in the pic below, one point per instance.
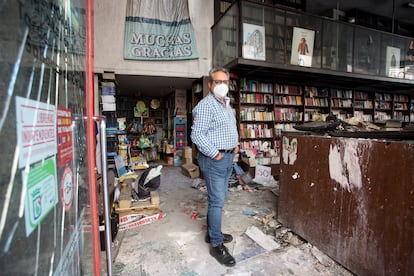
[(218, 156)]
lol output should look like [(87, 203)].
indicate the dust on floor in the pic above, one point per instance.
[(174, 245)]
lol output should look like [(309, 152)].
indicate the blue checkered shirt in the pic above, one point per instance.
[(214, 127)]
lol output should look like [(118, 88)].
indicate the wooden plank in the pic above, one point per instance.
[(154, 203)]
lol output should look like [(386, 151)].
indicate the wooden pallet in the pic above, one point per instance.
[(148, 207)]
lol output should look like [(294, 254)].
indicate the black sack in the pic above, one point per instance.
[(153, 184)]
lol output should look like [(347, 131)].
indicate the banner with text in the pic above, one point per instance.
[(159, 30)]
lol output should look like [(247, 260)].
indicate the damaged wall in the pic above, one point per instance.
[(354, 200)]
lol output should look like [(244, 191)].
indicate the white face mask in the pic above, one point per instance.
[(221, 90)]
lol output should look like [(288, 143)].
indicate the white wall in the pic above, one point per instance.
[(109, 27)]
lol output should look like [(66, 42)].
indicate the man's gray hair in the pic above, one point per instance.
[(214, 70)]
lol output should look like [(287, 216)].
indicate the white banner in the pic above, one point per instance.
[(159, 30)]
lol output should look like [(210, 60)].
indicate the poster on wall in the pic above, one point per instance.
[(302, 47), (180, 103), (64, 136), (392, 64), (140, 109), (40, 184), (159, 30), (36, 130), (254, 42)]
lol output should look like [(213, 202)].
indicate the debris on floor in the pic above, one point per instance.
[(262, 239), (130, 221), (176, 246)]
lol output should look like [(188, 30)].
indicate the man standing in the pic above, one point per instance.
[(214, 131)]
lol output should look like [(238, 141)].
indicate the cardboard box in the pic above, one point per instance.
[(188, 152), (190, 170), (188, 160)]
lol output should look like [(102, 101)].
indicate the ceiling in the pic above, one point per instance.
[(402, 11), (159, 86), (150, 86)]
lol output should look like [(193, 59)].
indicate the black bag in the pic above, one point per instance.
[(153, 184)]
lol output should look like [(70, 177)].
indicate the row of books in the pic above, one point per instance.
[(363, 104), (255, 131), (311, 91), (400, 98), (288, 89), (316, 102), (288, 100), (382, 105), (341, 115), (233, 85), (339, 93), (252, 144), (384, 97), (361, 95), (256, 86), (295, 114), (256, 98), (382, 116), (314, 116), (282, 127), (363, 116), (401, 106), (401, 116), (338, 103), (254, 115), (288, 114)]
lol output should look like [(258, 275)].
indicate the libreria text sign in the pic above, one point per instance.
[(159, 30)]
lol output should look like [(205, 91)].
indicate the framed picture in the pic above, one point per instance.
[(254, 42), (302, 47), (392, 64)]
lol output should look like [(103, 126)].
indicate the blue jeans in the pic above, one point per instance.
[(216, 174)]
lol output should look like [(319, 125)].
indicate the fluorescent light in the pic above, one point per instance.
[(410, 4)]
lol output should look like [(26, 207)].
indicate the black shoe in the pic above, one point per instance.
[(226, 238), (222, 255)]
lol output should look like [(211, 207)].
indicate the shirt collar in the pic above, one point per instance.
[(226, 99)]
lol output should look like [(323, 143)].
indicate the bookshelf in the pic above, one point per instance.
[(341, 103), (401, 105), (363, 105), (288, 107), (266, 108), (256, 116), (316, 104), (383, 106)]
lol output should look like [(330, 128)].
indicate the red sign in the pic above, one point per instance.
[(65, 136), (67, 188)]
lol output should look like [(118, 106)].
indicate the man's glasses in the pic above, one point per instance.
[(221, 81)]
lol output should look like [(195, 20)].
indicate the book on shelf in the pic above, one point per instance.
[(381, 116), (252, 144), (233, 85), (288, 114), (315, 116), (255, 131), (288, 100), (287, 89), (340, 93)]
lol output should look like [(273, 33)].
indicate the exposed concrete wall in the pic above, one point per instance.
[(109, 27)]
